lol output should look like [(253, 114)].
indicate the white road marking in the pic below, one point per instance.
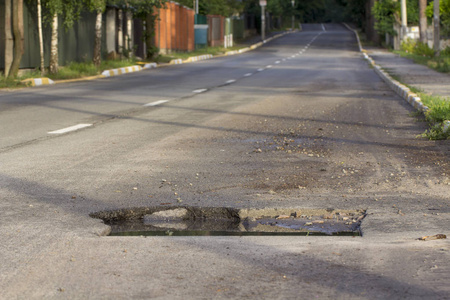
[(277, 62), (230, 81), (260, 70), (156, 103), (69, 129), (248, 74), (269, 66), (199, 91), (323, 28)]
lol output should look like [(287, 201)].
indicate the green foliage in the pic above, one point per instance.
[(439, 107), (384, 12), (438, 113), (224, 8), (444, 10), (95, 5), (418, 48), (84, 69), (425, 56)]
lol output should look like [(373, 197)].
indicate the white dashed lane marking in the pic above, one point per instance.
[(230, 81), (156, 103), (69, 129), (199, 91)]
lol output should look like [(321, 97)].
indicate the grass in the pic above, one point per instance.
[(438, 112), (15, 83), (76, 70), (79, 70), (185, 55), (421, 54)]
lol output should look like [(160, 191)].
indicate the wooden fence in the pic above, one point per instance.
[(174, 30)]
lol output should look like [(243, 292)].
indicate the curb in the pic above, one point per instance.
[(120, 71), (402, 90), (38, 81), (138, 68)]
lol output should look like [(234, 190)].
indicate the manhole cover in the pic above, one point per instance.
[(195, 221)]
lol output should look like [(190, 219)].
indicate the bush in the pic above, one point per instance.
[(418, 48)]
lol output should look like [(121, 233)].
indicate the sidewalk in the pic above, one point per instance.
[(410, 73)]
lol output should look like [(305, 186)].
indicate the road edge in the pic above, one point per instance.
[(402, 90), (139, 67)]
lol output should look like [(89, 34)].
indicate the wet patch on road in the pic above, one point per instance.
[(222, 221)]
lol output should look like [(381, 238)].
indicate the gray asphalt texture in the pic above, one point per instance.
[(314, 130)]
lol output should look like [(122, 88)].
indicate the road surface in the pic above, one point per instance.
[(301, 122)]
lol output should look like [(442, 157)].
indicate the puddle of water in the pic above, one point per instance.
[(196, 221), (227, 233)]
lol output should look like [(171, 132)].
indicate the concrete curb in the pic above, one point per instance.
[(120, 71), (403, 91), (138, 68), (38, 81)]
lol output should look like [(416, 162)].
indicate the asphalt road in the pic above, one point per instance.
[(301, 122)]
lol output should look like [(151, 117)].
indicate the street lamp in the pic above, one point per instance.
[(293, 17)]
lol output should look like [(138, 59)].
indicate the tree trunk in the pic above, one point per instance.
[(130, 39), (98, 40), (120, 32), (9, 43), (54, 64), (437, 35), (423, 24), (41, 39), (149, 34), (18, 36)]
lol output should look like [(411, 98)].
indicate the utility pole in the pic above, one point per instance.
[(293, 17), (263, 4), (196, 7), (404, 20), (437, 35)]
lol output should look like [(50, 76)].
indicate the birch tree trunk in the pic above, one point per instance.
[(18, 36), (120, 32), (98, 40), (9, 43), (54, 64), (41, 39)]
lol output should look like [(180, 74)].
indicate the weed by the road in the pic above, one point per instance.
[(437, 114), (422, 54), (79, 69), (14, 83), (185, 55)]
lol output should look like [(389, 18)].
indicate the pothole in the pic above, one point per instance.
[(222, 221)]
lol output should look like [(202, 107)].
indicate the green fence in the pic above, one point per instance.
[(238, 29), (74, 44), (201, 31)]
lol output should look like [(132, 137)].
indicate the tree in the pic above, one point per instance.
[(98, 7), (41, 38), (17, 26), (9, 42), (69, 12), (386, 13), (224, 8), (423, 23)]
